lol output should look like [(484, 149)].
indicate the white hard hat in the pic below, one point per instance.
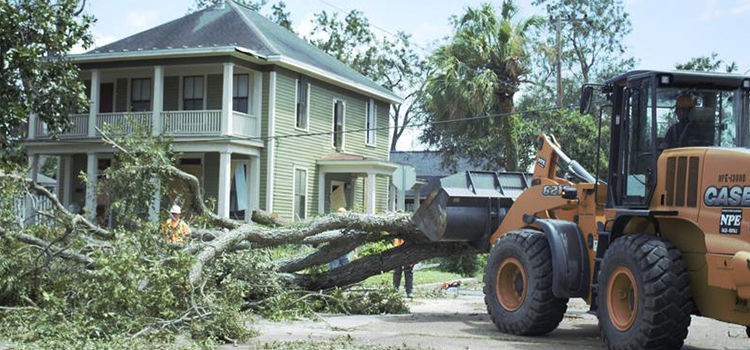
[(176, 209)]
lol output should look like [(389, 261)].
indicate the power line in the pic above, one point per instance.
[(439, 122)]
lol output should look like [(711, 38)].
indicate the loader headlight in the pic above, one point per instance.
[(569, 193), (746, 84)]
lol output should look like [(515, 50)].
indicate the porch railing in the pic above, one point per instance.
[(191, 122), (125, 122), (244, 124), (79, 126)]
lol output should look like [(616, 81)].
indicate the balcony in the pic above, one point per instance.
[(173, 123), (78, 128)]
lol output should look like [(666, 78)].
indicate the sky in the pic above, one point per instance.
[(664, 31)]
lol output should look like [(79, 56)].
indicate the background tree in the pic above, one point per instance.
[(592, 36), (251, 4), (707, 64), (35, 76), (477, 73), (280, 15)]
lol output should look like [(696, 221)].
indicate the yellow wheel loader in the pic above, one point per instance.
[(665, 236)]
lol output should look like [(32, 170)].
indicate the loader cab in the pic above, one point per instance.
[(652, 111)]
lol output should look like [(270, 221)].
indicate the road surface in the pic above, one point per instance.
[(461, 322)]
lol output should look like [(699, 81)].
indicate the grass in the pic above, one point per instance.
[(420, 277)]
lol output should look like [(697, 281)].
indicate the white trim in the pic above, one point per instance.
[(319, 73), (371, 112), (343, 123), (296, 167), (67, 195), (271, 146), (321, 190)]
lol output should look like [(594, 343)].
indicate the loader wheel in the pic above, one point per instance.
[(644, 295), (518, 285)]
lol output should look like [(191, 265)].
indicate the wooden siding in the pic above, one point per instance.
[(304, 151), (214, 85), (171, 93), (121, 95)]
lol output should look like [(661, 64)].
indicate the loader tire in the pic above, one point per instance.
[(644, 295), (518, 285)]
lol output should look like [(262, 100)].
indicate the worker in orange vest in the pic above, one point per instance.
[(175, 230), (408, 273)]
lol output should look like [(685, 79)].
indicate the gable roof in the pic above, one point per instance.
[(234, 27)]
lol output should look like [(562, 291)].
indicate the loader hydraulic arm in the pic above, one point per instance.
[(550, 157)]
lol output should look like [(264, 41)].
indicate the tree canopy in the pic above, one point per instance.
[(477, 73), (35, 76), (710, 63)]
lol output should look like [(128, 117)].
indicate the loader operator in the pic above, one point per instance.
[(682, 108)]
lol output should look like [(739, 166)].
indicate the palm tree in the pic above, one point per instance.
[(477, 73)]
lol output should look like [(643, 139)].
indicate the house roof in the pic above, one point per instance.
[(428, 166), (429, 163), (232, 25)]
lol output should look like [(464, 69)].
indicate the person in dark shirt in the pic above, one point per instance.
[(682, 108)]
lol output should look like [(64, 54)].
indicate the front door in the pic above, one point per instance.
[(338, 195), (106, 97)]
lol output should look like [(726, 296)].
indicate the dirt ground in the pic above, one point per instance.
[(461, 322)]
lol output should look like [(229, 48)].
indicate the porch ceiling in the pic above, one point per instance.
[(350, 163)]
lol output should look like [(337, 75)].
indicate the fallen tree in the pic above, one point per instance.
[(228, 265)]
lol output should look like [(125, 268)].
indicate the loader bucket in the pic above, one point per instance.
[(469, 206)]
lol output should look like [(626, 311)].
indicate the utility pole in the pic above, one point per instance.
[(559, 62)]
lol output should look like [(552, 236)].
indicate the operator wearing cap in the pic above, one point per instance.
[(175, 230), (682, 108)]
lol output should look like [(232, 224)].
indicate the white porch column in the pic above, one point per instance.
[(158, 100), (153, 212), (417, 196), (91, 172), (68, 160), (60, 176), (33, 172), (94, 102), (371, 200), (401, 201), (226, 99), (322, 193), (253, 185), (225, 180), (392, 197), (32, 126)]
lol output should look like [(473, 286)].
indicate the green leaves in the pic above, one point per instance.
[(35, 76), (477, 73)]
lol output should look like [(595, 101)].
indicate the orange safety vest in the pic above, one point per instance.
[(176, 231)]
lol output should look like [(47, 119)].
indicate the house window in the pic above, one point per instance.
[(339, 108), (240, 92), (370, 112), (140, 94), (192, 93), (302, 102), (300, 194)]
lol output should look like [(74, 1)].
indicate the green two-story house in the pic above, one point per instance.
[(262, 118)]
